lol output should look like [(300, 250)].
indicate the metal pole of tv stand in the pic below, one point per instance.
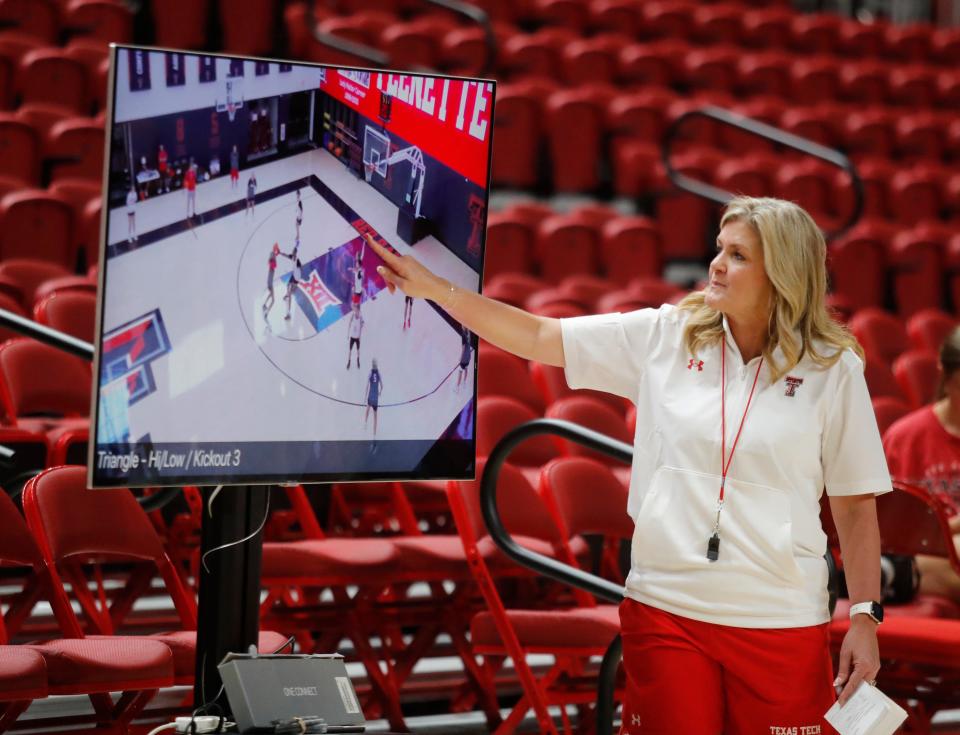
[(229, 606)]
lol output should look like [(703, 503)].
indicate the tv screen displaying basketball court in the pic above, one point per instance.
[(245, 335)]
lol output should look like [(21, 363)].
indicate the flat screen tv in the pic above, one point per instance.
[(244, 335)]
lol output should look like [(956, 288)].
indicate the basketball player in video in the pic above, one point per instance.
[(465, 349), (132, 215), (234, 168), (251, 193), (407, 311), (296, 275), (271, 272), (354, 329), (358, 276), (299, 214), (374, 389), (162, 168), (190, 184)]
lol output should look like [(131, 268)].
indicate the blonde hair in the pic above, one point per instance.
[(794, 258)]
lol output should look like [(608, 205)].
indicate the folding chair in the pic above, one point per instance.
[(79, 531), (571, 634), (137, 667)]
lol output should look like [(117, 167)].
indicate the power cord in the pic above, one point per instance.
[(266, 513)]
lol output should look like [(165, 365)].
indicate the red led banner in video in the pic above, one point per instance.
[(448, 119)]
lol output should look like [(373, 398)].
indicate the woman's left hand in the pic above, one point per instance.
[(859, 657)]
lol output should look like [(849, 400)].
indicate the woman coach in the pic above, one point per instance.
[(750, 401)]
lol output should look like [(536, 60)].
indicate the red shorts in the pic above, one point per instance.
[(234, 174), (686, 676), (355, 298)]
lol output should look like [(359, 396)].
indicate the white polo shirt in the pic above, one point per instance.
[(812, 429)]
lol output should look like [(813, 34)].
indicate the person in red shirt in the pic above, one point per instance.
[(190, 184), (162, 168), (923, 448)]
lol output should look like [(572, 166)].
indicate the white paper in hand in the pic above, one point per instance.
[(868, 712)]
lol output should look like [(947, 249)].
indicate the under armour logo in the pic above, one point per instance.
[(792, 385), (697, 363), (635, 720)]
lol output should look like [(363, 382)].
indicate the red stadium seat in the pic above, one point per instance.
[(815, 32), (689, 215), (630, 246), (917, 372), (809, 183), (768, 27), (640, 115), (718, 23), (106, 20), (39, 18), (23, 678), (928, 328), (887, 410), (653, 63), (42, 116), (870, 131), (28, 275), (78, 143), (504, 374), (463, 52), (945, 45), (496, 415), (866, 81), (615, 16), (571, 14), (64, 283), (862, 40), (70, 311), (917, 258), (751, 175), (814, 79), (19, 150), (46, 391), (519, 127), (592, 414), (409, 45), (916, 194), (913, 86), (858, 263), (880, 379), (764, 73), (535, 54), (554, 297), (38, 225), (667, 19), (712, 67), (181, 23), (814, 122), (510, 245), (948, 91), (248, 27), (567, 244), (511, 288), (585, 289), (575, 161), (880, 333), (592, 60), (908, 42), (552, 384), (51, 75), (921, 136)]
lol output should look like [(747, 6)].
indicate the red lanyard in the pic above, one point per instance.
[(713, 545)]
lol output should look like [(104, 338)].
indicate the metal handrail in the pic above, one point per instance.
[(602, 588), (768, 132), (42, 333)]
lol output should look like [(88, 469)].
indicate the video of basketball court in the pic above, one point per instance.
[(242, 307)]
